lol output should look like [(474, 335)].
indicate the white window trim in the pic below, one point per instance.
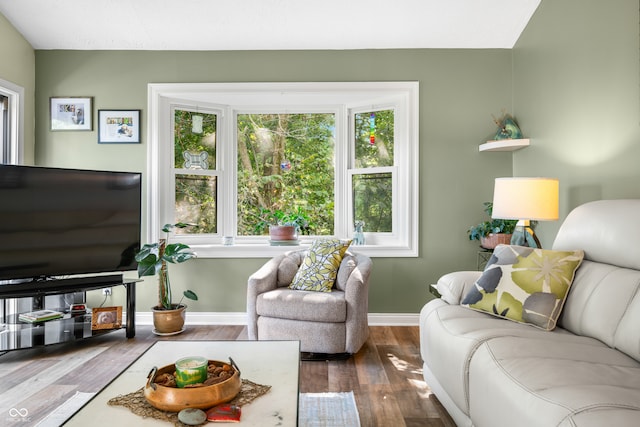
[(15, 94), (244, 97)]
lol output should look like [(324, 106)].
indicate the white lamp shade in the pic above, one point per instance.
[(526, 198)]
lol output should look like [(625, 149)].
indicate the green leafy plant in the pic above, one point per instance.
[(153, 258), (495, 226), (297, 218)]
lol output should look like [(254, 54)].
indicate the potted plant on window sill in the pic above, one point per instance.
[(168, 317), (283, 227), (493, 232)]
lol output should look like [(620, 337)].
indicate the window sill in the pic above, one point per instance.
[(264, 250)]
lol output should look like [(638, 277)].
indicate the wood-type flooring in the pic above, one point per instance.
[(385, 375)]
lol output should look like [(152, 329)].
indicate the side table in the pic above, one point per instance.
[(484, 255)]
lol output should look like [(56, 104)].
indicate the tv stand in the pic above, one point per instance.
[(16, 335)]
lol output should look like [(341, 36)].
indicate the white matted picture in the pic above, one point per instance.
[(106, 318), (118, 126), (71, 113)]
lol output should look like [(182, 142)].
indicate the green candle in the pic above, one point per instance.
[(191, 370)]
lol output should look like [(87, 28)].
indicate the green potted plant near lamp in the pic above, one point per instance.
[(168, 317), (493, 232), (283, 226)]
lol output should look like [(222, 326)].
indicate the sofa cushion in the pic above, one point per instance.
[(312, 306), (525, 284), (604, 303), (320, 265), (534, 381), (288, 267), (451, 334), (314, 337)]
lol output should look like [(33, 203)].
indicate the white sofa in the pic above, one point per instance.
[(492, 372)]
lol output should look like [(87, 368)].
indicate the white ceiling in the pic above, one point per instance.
[(268, 24)]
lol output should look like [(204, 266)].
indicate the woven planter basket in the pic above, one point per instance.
[(493, 240)]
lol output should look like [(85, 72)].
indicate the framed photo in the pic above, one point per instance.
[(118, 126), (106, 318), (71, 113)]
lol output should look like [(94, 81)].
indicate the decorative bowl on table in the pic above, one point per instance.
[(222, 385)]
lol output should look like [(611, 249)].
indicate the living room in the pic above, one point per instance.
[(571, 81)]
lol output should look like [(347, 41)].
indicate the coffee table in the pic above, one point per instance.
[(274, 363)]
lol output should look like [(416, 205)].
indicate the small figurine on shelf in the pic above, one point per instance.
[(358, 236), (507, 127)]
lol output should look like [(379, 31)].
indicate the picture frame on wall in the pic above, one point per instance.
[(106, 318), (118, 126), (71, 113)]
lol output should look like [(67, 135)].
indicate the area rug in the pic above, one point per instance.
[(64, 411), (328, 410)]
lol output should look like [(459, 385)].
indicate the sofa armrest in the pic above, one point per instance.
[(356, 295), (453, 286), (263, 280)]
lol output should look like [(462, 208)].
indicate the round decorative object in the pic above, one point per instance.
[(167, 334), (191, 370), (192, 416), (283, 232), (168, 321), (164, 395)]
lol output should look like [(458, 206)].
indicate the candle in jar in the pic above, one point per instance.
[(191, 370)]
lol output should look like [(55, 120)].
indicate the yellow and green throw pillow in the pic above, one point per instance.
[(525, 285), (320, 265)]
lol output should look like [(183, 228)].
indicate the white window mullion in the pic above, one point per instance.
[(228, 212), (342, 225)]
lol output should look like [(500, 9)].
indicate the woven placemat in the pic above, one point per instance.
[(137, 403)]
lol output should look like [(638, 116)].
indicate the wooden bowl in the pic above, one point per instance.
[(175, 399)]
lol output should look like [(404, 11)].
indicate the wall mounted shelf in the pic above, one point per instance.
[(504, 145)]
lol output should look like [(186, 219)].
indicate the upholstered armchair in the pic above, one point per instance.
[(324, 322)]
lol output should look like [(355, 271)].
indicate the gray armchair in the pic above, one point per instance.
[(333, 322)]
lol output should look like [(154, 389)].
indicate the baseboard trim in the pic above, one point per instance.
[(240, 318), (394, 319)]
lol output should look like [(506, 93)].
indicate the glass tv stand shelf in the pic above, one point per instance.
[(15, 334)]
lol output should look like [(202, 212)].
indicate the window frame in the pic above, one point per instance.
[(214, 171), (13, 146), (230, 99)]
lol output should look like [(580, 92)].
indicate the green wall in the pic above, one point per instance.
[(572, 81), (459, 91), (18, 67), (577, 95)]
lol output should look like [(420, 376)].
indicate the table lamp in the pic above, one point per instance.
[(525, 200)]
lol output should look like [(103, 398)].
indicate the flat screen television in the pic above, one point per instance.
[(57, 222)]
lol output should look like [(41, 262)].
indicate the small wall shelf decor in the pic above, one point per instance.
[(504, 145)]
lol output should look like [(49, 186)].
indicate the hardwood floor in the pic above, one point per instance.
[(385, 375)]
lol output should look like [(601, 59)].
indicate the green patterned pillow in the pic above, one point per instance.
[(320, 265), (525, 285)]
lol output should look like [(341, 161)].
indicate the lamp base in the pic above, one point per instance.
[(524, 236)]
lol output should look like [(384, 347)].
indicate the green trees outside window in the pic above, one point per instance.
[(286, 162), (194, 159)]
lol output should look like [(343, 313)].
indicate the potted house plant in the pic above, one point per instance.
[(168, 317), (493, 232), (283, 226)]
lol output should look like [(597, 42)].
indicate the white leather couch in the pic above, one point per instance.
[(492, 372)]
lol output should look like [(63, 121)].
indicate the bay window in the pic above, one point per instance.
[(220, 154)]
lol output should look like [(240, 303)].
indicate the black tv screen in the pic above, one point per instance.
[(56, 222)]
